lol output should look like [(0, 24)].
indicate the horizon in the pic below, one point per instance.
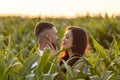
[(61, 16), (53, 8)]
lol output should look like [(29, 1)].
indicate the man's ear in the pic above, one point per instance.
[(41, 37)]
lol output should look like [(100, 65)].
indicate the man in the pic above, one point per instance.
[(46, 36)]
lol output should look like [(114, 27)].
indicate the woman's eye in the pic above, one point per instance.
[(67, 37)]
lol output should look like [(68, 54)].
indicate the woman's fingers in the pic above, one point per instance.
[(51, 46), (53, 50)]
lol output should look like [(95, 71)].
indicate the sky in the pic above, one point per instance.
[(57, 8)]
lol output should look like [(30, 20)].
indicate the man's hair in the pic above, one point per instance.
[(41, 27)]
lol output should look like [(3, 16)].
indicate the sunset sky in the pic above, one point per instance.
[(67, 8)]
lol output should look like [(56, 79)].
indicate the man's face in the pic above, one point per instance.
[(52, 35)]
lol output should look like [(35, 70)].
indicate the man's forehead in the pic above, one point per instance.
[(53, 29)]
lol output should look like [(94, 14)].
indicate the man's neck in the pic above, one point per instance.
[(40, 52)]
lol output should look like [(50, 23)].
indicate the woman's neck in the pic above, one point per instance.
[(70, 53)]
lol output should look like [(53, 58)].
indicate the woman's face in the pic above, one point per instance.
[(67, 39)]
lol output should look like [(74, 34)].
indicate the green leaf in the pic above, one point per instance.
[(107, 75), (98, 48), (10, 68), (88, 61), (85, 69), (27, 65), (1, 65), (97, 60), (32, 50), (68, 68), (30, 77), (94, 77), (49, 76), (43, 61), (11, 61)]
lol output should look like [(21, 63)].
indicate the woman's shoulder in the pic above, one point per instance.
[(73, 59)]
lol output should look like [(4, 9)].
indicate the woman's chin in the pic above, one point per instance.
[(64, 47)]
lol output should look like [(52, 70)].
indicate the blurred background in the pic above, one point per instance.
[(18, 49), (58, 8)]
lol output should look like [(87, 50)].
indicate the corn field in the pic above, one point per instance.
[(18, 49)]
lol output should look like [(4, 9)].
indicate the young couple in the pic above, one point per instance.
[(75, 39)]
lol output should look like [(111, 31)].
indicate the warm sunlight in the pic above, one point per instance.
[(67, 8), (59, 39)]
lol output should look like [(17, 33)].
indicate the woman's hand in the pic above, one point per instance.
[(53, 49), (51, 46)]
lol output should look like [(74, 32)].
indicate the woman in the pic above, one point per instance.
[(76, 41)]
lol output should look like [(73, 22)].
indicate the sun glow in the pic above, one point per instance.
[(59, 8)]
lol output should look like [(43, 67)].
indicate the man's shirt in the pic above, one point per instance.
[(36, 63)]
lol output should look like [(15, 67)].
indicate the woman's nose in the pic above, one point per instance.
[(63, 39)]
